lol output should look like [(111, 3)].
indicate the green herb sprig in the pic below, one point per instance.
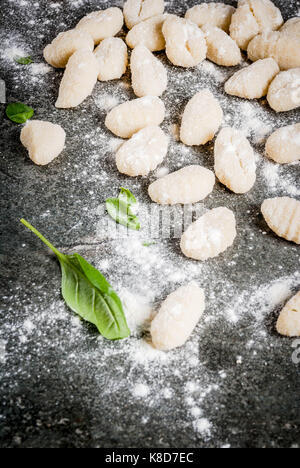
[(18, 112), (23, 60), (120, 209)]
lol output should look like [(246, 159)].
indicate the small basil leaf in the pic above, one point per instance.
[(18, 112), (88, 293), (122, 214), (148, 244), (127, 197), (23, 60)]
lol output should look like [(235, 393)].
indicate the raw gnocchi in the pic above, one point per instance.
[(284, 48), (188, 185), (283, 146), (292, 26), (253, 17), (102, 24), (221, 49), (201, 119), (177, 317), (185, 42), (132, 116), (234, 161), (283, 216), (253, 82), (136, 11), (148, 33), (210, 235), (43, 140), (79, 79), (284, 91), (112, 57), (149, 76), (144, 151), (65, 44), (213, 14), (288, 323)]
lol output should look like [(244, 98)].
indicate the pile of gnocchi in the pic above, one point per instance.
[(215, 31)]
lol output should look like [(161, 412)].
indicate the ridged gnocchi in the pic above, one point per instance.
[(210, 235), (213, 14), (144, 151), (234, 161), (190, 184), (149, 76), (283, 146), (112, 57), (253, 82), (148, 33), (132, 116), (43, 140), (79, 79), (221, 49), (288, 323), (136, 11), (102, 24), (283, 216), (65, 44), (284, 91), (185, 42), (201, 119)]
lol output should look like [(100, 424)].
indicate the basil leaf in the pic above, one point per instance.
[(23, 60), (122, 214), (88, 293), (148, 244), (127, 197), (18, 112)]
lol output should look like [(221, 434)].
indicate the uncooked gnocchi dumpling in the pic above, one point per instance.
[(65, 44), (131, 116), (284, 91), (288, 323), (149, 76), (284, 48), (102, 24), (177, 317), (292, 26), (188, 185), (43, 140), (136, 11), (148, 33), (79, 79), (221, 49), (185, 42), (213, 14), (254, 17), (234, 161), (144, 151), (253, 82), (201, 119), (283, 217), (283, 146), (210, 235), (112, 57)]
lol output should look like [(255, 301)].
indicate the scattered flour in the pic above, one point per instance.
[(138, 311), (140, 391), (3, 344), (203, 427), (106, 101), (277, 178)]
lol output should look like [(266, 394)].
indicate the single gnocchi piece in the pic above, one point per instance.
[(201, 119), (43, 140), (221, 49), (210, 235), (185, 42), (102, 24), (284, 48), (178, 317), (112, 57), (234, 161), (79, 79), (283, 216), (148, 33), (188, 185), (212, 14), (144, 151), (253, 17), (65, 44), (149, 76), (283, 146), (253, 82), (136, 11), (292, 27), (288, 323), (284, 91), (132, 116)]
